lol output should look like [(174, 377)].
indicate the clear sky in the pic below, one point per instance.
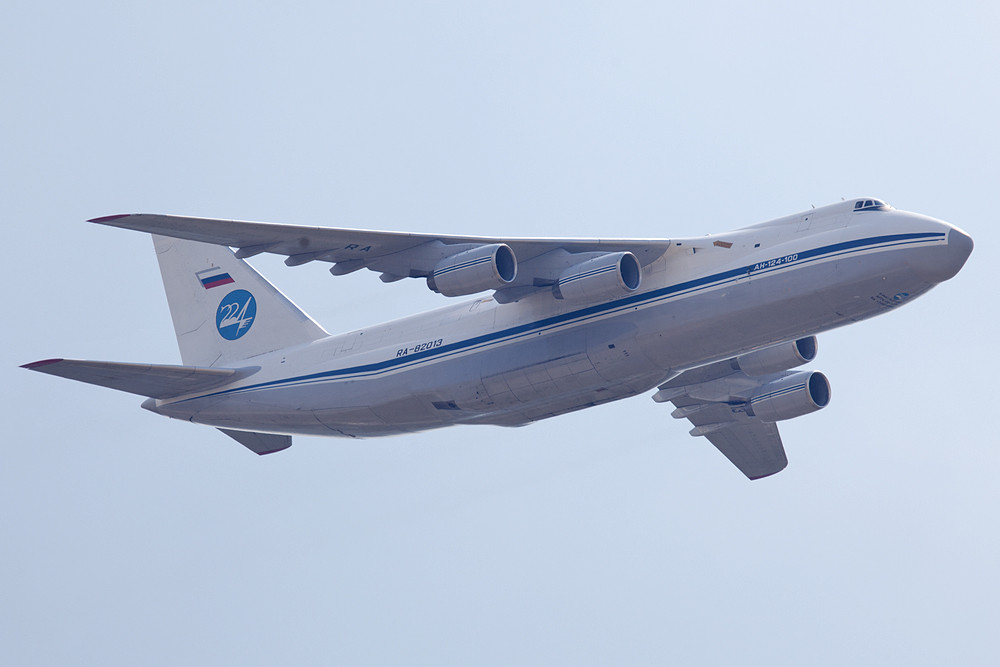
[(604, 537)]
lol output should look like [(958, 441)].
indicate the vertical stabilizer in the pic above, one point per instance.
[(223, 310)]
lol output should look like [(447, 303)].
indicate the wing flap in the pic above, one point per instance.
[(153, 381)]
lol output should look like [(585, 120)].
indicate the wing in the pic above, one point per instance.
[(143, 379), (705, 397), (454, 265), (750, 444)]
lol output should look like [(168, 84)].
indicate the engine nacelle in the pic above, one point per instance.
[(778, 358), (607, 275), (486, 267), (792, 396)]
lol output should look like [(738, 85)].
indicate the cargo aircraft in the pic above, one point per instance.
[(713, 324)]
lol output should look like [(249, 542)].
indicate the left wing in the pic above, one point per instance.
[(453, 265)]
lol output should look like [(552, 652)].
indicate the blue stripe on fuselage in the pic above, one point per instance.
[(644, 298)]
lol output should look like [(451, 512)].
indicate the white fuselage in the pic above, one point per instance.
[(481, 362)]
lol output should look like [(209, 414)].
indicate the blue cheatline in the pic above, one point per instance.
[(642, 299)]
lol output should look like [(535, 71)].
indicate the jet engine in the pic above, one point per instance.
[(606, 275), (482, 268), (791, 396), (778, 358)]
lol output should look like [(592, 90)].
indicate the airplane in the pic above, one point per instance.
[(714, 324)]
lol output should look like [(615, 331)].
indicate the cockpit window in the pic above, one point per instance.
[(871, 205)]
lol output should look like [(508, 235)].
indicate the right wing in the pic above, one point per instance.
[(750, 444), (705, 397)]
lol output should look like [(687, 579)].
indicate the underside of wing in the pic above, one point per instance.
[(755, 448), (735, 402), (153, 381), (452, 265), (752, 445)]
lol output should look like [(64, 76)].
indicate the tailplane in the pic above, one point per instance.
[(151, 380), (223, 311)]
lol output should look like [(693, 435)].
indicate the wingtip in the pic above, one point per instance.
[(44, 362), (757, 476), (110, 218)]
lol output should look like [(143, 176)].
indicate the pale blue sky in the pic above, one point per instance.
[(604, 537)]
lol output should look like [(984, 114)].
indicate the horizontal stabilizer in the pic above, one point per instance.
[(154, 381), (260, 443)]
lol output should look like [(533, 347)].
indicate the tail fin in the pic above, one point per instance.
[(223, 310)]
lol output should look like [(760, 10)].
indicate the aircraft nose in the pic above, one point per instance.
[(947, 260), (960, 246)]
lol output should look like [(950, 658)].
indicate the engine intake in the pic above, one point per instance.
[(482, 268), (778, 358), (607, 275), (792, 396)]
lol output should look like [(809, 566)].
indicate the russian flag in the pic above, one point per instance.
[(214, 278)]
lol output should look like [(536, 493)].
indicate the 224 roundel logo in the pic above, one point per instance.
[(236, 313)]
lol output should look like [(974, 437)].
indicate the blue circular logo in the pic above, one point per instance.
[(236, 313)]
